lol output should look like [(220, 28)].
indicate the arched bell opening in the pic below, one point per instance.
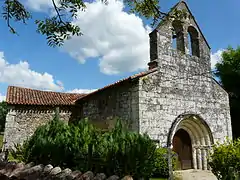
[(193, 41), (178, 36)]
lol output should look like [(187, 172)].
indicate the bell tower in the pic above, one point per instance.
[(179, 38)]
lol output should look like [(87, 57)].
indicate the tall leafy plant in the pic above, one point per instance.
[(3, 114), (59, 144), (48, 144), (161, 163), (225, 160), (125, 152), (228, 71), (84, 147)]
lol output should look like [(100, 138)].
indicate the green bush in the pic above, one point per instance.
[(3, 114), (58, 144), (225, 160), (84, 147), (18, 153), (161, 163), (124, 152)]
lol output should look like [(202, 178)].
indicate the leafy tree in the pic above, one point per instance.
[(59, 27), (228, 70), (225, 160), (3, 113)]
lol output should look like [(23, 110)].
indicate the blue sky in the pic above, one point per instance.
[(105, 53)]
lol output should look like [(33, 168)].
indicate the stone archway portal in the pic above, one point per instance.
[(191, 138)]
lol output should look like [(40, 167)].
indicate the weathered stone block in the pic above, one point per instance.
[(86, 176), (114, 177), (100, 176), (47, 169), (127, 178), (74, 175), (30, 173), (55, 171)]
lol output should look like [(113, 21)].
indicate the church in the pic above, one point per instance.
[(176, 101)]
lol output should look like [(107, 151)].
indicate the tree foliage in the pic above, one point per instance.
[(3, 113), (161, 164), (228, 71), (225, 160), (84, 147), (59, 27)]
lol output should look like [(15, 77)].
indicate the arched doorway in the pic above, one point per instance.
[(182, 145), (190, 128)]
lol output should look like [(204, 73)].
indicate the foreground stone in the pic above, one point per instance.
[(193, 174), (20, 171)]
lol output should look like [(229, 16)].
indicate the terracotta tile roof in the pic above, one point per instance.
[(26, 96), (135, 76)]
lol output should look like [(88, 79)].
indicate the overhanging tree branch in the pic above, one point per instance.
[(57, 11), (59, 28)]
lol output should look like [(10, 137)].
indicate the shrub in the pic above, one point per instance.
[(48, 144), (124, 152), (225, 160), (161, 163), (84, 147), (58, 144), (18, 153)]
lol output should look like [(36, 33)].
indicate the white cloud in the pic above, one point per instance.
[(39, 5), (21, 75), (82, 91), (216, 57), (2, 97), (117, 38)]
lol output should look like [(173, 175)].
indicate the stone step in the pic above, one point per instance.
[(193, 174)]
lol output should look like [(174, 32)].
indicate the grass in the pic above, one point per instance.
[(157, 179)]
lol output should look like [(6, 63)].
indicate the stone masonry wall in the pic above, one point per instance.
[(120, 101), (162, 98), (182, 84), (22, 121)]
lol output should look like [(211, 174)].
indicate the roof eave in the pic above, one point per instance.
[(131, 78)]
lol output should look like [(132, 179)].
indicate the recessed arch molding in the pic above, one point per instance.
[(200, 135)]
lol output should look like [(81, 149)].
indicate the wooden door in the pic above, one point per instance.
[(183, 147)]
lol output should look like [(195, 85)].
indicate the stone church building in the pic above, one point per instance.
[(176, 101)]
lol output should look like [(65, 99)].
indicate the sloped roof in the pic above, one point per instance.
[(135, 76), (26, 96)]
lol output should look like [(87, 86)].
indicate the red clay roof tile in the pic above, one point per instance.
[(26, 96)]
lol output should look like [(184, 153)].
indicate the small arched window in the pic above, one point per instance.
[(193, 41), (178, 36)]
